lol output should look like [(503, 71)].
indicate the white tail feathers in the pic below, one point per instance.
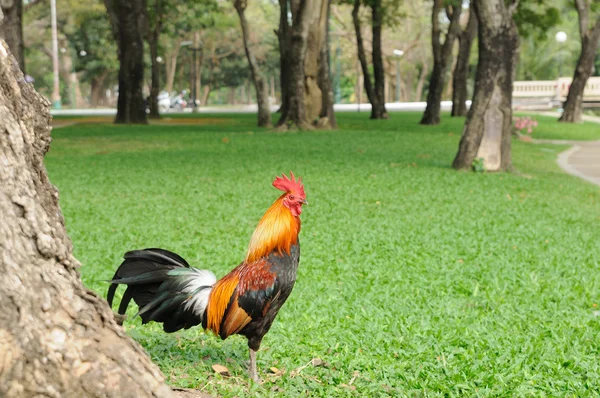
[(199, 287)]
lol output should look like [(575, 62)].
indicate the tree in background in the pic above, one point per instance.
[(376, 91), (128, 22), (293, 43), (318, 87), (461, 70), (442, 55), (156, 14), (260, 82), (11, 29), (589, 32), (488, 129)]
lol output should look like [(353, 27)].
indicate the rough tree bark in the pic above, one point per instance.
[(590, 37), (377, 109), (327, 113), (260, 82), (128, 22), (171, 65), (302, 13), (11, 29), (57, 339), (488, 128), (316, 69), (153, 37), (378, 69), (442, 56), (98, 89), (283, 37), (461, 71)]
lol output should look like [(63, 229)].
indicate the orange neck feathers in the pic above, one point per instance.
[(277, 231)]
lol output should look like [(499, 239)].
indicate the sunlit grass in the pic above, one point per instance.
[(414, 279)]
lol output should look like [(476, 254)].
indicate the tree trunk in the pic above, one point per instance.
[(488, 128), (421, 82), (128, 24), (316, 68), (461, 71), (283, 36), (362, 57), (302, 13), (70, 77), (327, 114), (153, 37), (97, 94), (378, 70), (57, 339), (172, 66), (260, 82), (205, 94), (11, 29), (585, 63), (442, 55)]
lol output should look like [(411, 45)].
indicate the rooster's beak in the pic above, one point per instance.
[(304, 202)]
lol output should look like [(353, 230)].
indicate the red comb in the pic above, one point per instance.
[(289, 185)]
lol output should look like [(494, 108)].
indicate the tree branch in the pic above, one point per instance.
[(583, 11)]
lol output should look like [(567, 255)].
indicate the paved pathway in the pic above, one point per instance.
[(583, 158)]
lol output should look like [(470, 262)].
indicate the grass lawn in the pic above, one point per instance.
[(549, 129), (414, 279)]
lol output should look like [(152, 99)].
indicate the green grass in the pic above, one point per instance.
[(548, 128), (414, 279)]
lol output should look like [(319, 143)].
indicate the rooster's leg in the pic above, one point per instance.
[(252, 369)]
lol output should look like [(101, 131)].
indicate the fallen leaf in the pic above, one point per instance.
[(273, 369), (222, 370)]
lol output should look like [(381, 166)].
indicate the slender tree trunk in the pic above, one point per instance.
[(70, 77), (283, 36), (172, 66), (585, 64), (362, 57), (260, 82), (153, 37), (327, 114), (11, 29), (316, 68), (421, 82), (128, 23), (461, 71), (378, 70), (488, 128), (302, 13), (57, 339), (442, 55), (97, 89), (205, 94)]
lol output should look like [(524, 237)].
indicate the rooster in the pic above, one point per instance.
[(245, 301)]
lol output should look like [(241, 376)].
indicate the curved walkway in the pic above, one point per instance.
[(583, 158)]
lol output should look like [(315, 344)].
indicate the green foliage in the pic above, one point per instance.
[(536, 17), (414, 280), (478, 165)]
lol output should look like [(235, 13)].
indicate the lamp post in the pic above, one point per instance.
[(56, 88), (398, 54), (560, 37), (338, 72), (194, 71)]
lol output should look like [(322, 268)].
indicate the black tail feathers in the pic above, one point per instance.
[(164, 287)]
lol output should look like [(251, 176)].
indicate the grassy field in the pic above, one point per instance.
[(414, 280)]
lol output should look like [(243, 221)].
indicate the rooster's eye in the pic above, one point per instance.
[(291, 197)]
